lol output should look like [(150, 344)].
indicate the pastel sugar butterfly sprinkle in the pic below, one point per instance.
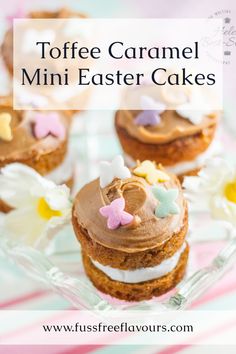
[(167, 201), (147, 118), (195, 109), (151, 112), (48, 124), (113, 169), (148, 170), (115, 214), (32, 36), (193, 115), (5, 127), (148, 103)]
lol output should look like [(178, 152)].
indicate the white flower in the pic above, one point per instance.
[(39, 205), (194, 109), (214, 190)]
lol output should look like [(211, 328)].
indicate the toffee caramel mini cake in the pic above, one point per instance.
[(132, 226), (180, 139), (38, 93), (7, 45), (37, 139)]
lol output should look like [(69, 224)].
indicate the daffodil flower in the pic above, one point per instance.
[(214, 190), (38, 205)]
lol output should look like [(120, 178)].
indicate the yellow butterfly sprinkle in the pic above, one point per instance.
[(5, 127), (148, 170)]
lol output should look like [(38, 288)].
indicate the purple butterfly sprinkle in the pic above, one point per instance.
[(148, 118), (151, 112)]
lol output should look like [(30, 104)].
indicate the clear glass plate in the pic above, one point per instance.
[(60, 265), (61, 268)]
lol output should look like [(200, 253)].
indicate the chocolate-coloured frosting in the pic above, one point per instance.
[(172, 126), (145, 232), (24, 142)]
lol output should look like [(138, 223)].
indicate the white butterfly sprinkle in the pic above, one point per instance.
[(113, 169), (32, 36)]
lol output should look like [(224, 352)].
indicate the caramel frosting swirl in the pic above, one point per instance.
[(146, 230), (24, 143), (172, 126)]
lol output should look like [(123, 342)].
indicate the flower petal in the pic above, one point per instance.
[(58, 198), (23, 189), (19, 184), (24, 224)]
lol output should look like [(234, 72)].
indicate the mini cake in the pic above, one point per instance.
[(132, 226), (37, 139), (43, 96), (7, 45), (180, 139)]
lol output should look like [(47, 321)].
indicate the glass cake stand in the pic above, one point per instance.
[(60, 267)]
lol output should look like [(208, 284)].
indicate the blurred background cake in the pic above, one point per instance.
[(7, 44), (46, 97), (180, 139), (37, 139), (132, 228)]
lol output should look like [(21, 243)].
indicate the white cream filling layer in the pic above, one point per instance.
[(184, 167), (141, 274), (65, 170)]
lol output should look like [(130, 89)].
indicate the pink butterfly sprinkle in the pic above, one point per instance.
[(46, 124), (115, 214)]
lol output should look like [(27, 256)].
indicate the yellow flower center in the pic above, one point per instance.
[(45, 211), (230, 191)]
